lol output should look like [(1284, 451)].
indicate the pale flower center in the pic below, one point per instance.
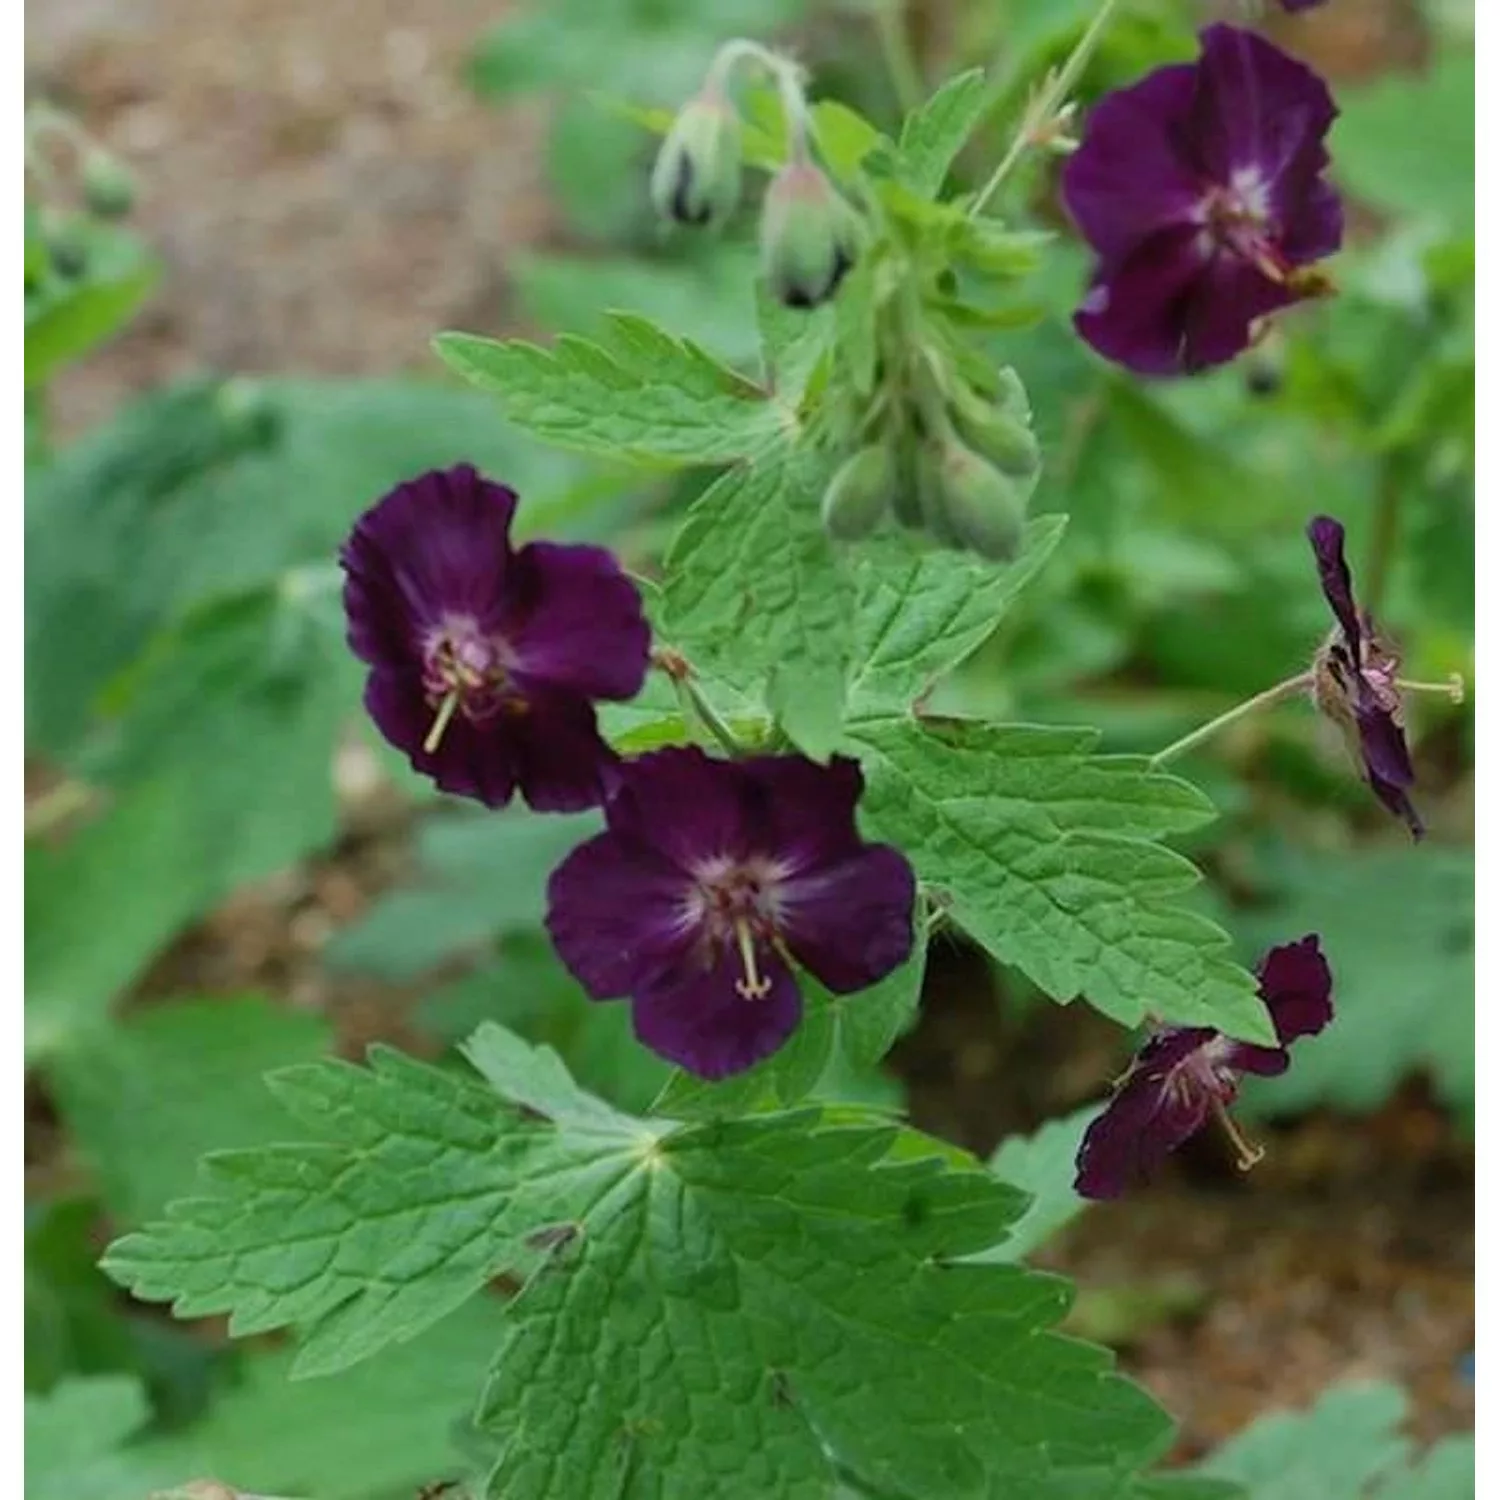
[(736, 904), (464, 670)]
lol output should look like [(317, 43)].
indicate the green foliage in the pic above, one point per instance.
[(935, 134), (81, 295), (1426, 173), (78, 1442), (376, 1432), (1347, 1447), (478, 876), (639, 394), (1398, 929), (1043, 853), (689, 1318), (146, 1099), (1042, 1164), (756, 595)]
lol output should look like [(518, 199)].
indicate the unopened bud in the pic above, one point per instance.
[(974, 505), (808, 236), (108, 189), (860, 493), (67, 240), (696, 179), (998, 432)]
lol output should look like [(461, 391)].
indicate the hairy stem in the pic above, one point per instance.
[(1291, 688), (1045, 104)]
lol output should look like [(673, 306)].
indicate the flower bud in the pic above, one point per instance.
[(807, 236), (66, 237), (696, 179), (999, 430), (971, 504), (108, 189), (860, 493)]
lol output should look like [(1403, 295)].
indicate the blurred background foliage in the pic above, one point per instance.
[(227, 872)]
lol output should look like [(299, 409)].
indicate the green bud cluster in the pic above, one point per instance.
[(809, 234), (958, 465)]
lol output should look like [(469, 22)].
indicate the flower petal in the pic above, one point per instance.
[(560, 757), (1297, 986), (702, 1023), (574, 620), (1254, 108), (803, 813), (1230, 296), (1145, 1121), (1327, 538), (683, 803), (617, 914), (1131, 176), (850, 923), (1388, 767), (471, 760), (437, 544), (1136, 311)]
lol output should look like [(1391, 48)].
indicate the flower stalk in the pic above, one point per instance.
[(1291, 688)]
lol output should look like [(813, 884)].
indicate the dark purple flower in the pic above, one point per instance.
[(1184, 1074), (1296, 5), (710, 880), (1354, 680), (1201, 190), (485, 661)]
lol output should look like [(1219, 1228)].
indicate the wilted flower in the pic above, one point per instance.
[(808, 235), (710, 880), (1296, 5), (485, 660), (1185, 1074), (696, 179), (1354, 680), (1201, 190)]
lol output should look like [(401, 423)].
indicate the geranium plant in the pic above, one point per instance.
[(756, 1288)]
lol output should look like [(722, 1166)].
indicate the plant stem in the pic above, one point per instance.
[(895, 47), (695, 706), (1046, 104), (1383, 543), (1272, 695)]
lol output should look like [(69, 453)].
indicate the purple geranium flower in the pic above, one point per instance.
[(1184, 1074), (485, 660), (1354, 680), (1201, 190), (711, 878)]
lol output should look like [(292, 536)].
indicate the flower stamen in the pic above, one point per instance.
[(1453, 687), (755, 985), (446, 709), (1247, 1154)]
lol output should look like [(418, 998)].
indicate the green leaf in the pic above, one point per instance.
[(385, 1428), (1398, 929), (1043, 1165), (840, 1037), (722, 1310), (76, 1441), (934, 134), (99, 908), (1044, 853), (1346, 1447), (424, 1191), (1426, 173), (145, 1100), (66, 316), (641, 395), (755, 594), (478, 875), (921, 611)]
